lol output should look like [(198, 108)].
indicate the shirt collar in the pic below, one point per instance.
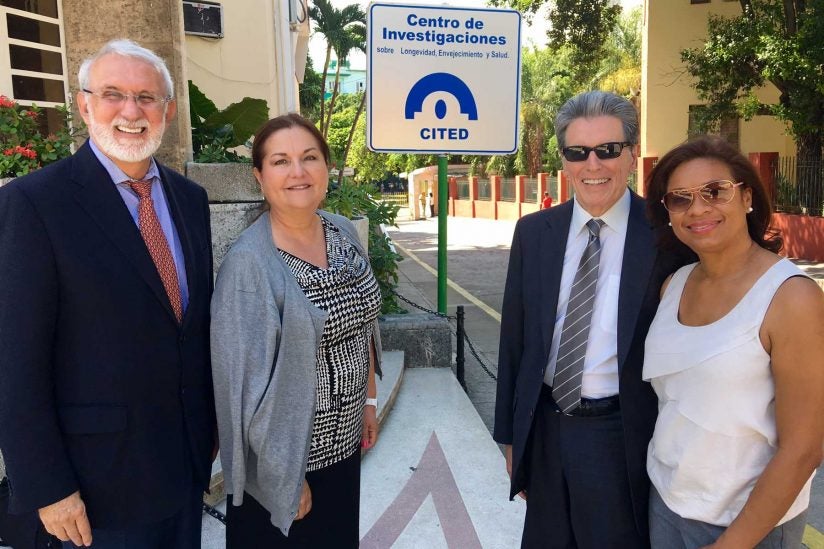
[(117, 175), (615, 218)]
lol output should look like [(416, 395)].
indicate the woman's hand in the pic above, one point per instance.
[(370, 427), (305, 501)]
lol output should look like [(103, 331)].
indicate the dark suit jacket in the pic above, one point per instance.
[(528, 320), (100, 389)]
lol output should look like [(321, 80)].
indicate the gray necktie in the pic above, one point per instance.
[(569, 366)]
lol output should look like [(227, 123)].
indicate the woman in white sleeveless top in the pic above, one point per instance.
[(735, 356)]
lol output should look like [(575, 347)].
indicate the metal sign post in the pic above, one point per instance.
[(443, 80), (443, 200)]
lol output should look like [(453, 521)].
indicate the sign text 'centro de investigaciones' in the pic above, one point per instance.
[(443, 79)]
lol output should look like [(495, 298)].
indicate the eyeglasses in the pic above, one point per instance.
[(143, 100), (604, 151), (714, 193)]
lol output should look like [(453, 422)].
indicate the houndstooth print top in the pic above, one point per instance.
[(348, 291)]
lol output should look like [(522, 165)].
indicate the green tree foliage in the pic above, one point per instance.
[(772, 41), (343, 119), (311, 92), (581, 25), (620, 68)]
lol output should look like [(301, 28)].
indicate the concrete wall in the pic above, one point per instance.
[(528, 208), (803, 235), (666, 91), (485, 209), (508, 210), (425, 339), (464, 208), (157, 25)]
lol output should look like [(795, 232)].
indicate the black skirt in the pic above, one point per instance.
[(332, 522)]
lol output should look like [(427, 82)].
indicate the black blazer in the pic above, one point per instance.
[(100, 389), (528, 320)]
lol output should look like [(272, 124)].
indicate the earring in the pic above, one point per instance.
[(669, 223), (749, 210)]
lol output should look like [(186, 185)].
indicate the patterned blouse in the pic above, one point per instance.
[(348, 291)]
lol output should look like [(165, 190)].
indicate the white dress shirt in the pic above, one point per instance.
[(601, 363)]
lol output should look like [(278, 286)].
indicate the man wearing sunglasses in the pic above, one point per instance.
[(572, 411), (106, 409)]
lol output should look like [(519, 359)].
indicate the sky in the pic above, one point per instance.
[(534, 34)]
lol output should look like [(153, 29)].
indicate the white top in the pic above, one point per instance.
[(716, 428), (601, 363)]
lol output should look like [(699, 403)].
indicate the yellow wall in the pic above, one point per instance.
[(242, 63), (666, 93)]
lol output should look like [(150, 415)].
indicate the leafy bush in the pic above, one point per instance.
[(352, 200), (214, 132), (22, 147)]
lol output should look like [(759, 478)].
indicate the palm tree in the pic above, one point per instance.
[(354, 37), (332, 24)]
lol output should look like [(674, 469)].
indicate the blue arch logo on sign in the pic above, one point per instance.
[(441, 82), (443, 79)]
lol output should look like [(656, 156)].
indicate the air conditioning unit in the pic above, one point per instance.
[(203, 19), (298, 11)]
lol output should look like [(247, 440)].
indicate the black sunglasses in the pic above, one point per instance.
[(604, 151)]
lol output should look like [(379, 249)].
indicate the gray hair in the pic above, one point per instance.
[(127, 48), (597, 103)]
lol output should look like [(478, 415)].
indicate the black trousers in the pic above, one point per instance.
[(332, 522), (577, 483)]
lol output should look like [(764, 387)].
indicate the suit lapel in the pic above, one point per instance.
[(552, 246), (639, 257), (99, 197)]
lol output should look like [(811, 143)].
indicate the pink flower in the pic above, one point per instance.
[(6, 102), (31, 114)]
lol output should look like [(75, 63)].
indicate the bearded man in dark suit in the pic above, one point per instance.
[(106, 399)]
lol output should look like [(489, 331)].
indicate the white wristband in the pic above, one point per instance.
[(372, 402)]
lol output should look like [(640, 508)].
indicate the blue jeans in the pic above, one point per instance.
[(667, 530)]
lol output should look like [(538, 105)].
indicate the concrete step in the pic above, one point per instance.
[(436, 478)]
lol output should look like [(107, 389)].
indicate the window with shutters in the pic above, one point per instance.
[(33, 56)]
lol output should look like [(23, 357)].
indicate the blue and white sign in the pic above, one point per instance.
[(443, 79)]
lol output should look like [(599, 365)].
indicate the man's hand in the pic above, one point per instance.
[(508, 454), (370, 427), (305, 504), (67, 520)]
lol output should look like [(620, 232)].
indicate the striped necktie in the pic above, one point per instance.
[(572, 349)]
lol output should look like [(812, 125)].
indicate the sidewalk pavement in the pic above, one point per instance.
[(435, 479)]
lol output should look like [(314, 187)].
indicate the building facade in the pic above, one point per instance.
[(668, 100), (261, 53)]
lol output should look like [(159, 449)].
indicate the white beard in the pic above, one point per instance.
[(105, 138)]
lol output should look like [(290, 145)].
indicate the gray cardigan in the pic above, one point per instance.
[(264, 338)]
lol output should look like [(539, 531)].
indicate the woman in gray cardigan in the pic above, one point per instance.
[(295, 347)]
